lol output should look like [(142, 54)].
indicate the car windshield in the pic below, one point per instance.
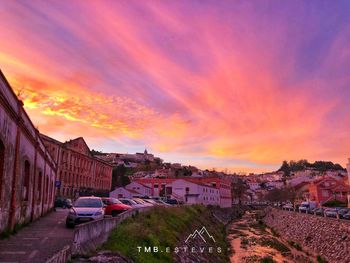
[(88, 202)]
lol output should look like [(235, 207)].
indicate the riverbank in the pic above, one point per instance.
[(252, 241)]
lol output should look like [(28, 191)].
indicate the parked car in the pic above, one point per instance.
[(347, 216), (307, 207), (331, 212), (63, 202), (161, 203), (172, 202), (142, 202), (114, 207), (85, 209), (131, 203), (318, 211), (151, 201), (342, 212), (288, 206)]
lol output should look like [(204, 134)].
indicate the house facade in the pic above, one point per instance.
[(78, 171), (328, 189), (27, 170), (195, 193)]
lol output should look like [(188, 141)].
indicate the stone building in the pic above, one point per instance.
[(78, 171), (27, 170)]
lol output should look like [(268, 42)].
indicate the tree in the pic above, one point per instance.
[(300, 165), (119, 177), (238, 189), (281, 195), (285, 168)]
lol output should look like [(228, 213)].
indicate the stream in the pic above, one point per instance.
[(252, 241)]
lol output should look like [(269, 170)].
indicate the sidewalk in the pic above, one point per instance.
[(38, 241)]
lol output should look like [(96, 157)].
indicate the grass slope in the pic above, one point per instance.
[(163, 227)]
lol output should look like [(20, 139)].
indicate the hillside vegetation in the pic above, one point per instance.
[(294, 166), (165, 227)]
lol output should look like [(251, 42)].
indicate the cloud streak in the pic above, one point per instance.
[(229, 84)]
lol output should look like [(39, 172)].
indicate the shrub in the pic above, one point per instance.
[(267, 259), (321, 259), (275, 244), (274, 232), (295, 245), (335, 203)]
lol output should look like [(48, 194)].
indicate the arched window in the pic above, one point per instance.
[(2, 166), (26, 180)]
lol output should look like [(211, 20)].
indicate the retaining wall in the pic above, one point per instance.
[(88, 236), (62, 256), (327, 237)]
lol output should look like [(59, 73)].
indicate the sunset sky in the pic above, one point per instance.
[(240, 85)]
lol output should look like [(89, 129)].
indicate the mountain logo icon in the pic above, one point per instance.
[(203, 234)]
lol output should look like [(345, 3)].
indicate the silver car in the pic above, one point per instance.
[(331, 212), (132, 203), (85, 209)]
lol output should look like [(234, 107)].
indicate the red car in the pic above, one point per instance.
[(114, 206)]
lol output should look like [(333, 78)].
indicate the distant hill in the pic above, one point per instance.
[(294, 166)]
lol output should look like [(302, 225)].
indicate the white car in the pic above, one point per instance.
[(131, 202), (287, 207), (85, 209), (142, 202)]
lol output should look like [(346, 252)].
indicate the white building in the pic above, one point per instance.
[(143, 189), (275, 184), (253, 185), (293, 181), (195, 193)]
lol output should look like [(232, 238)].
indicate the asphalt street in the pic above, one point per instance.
[(37, 241)]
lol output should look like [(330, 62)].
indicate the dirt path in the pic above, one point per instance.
[(251, 241)]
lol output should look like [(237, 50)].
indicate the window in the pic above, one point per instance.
[(26, 180), (2, 162), (325, 193)]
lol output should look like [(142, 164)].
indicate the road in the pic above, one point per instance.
[(38, 241)]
